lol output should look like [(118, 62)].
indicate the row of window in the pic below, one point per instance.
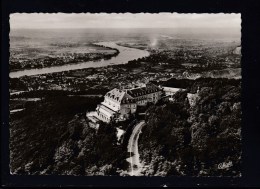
[(142, 101), (111, 104), (129, 105), (145, 97), (103, 117)]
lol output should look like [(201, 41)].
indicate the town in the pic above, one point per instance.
[(161, 65)]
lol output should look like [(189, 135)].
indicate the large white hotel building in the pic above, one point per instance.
[(120, 104)]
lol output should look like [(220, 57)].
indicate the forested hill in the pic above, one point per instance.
[(52, 137), (201, 140)]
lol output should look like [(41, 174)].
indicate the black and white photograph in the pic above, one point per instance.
[(125, 94)]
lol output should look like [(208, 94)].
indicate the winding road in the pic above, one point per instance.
[(132, 148)]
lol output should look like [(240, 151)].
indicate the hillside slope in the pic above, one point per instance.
[(201, 140)]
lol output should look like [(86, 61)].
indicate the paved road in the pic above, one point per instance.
[(132, 148)]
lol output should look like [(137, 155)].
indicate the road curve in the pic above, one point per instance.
[(132, 148)]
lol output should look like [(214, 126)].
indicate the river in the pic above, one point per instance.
[(125, 54)]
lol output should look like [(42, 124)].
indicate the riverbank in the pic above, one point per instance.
[(124, 55)]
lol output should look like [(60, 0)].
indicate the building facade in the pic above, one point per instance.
[(143, 95), (120, 104), (169, 91), (117, 104)]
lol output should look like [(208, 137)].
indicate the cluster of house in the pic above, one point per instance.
[(120, 104)]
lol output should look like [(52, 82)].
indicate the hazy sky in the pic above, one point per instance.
[(124, 20)]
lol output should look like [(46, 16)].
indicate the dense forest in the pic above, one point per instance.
[(55, 139), (199, 140)]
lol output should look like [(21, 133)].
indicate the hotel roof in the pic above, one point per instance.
[(140, 91), (119, 95)]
